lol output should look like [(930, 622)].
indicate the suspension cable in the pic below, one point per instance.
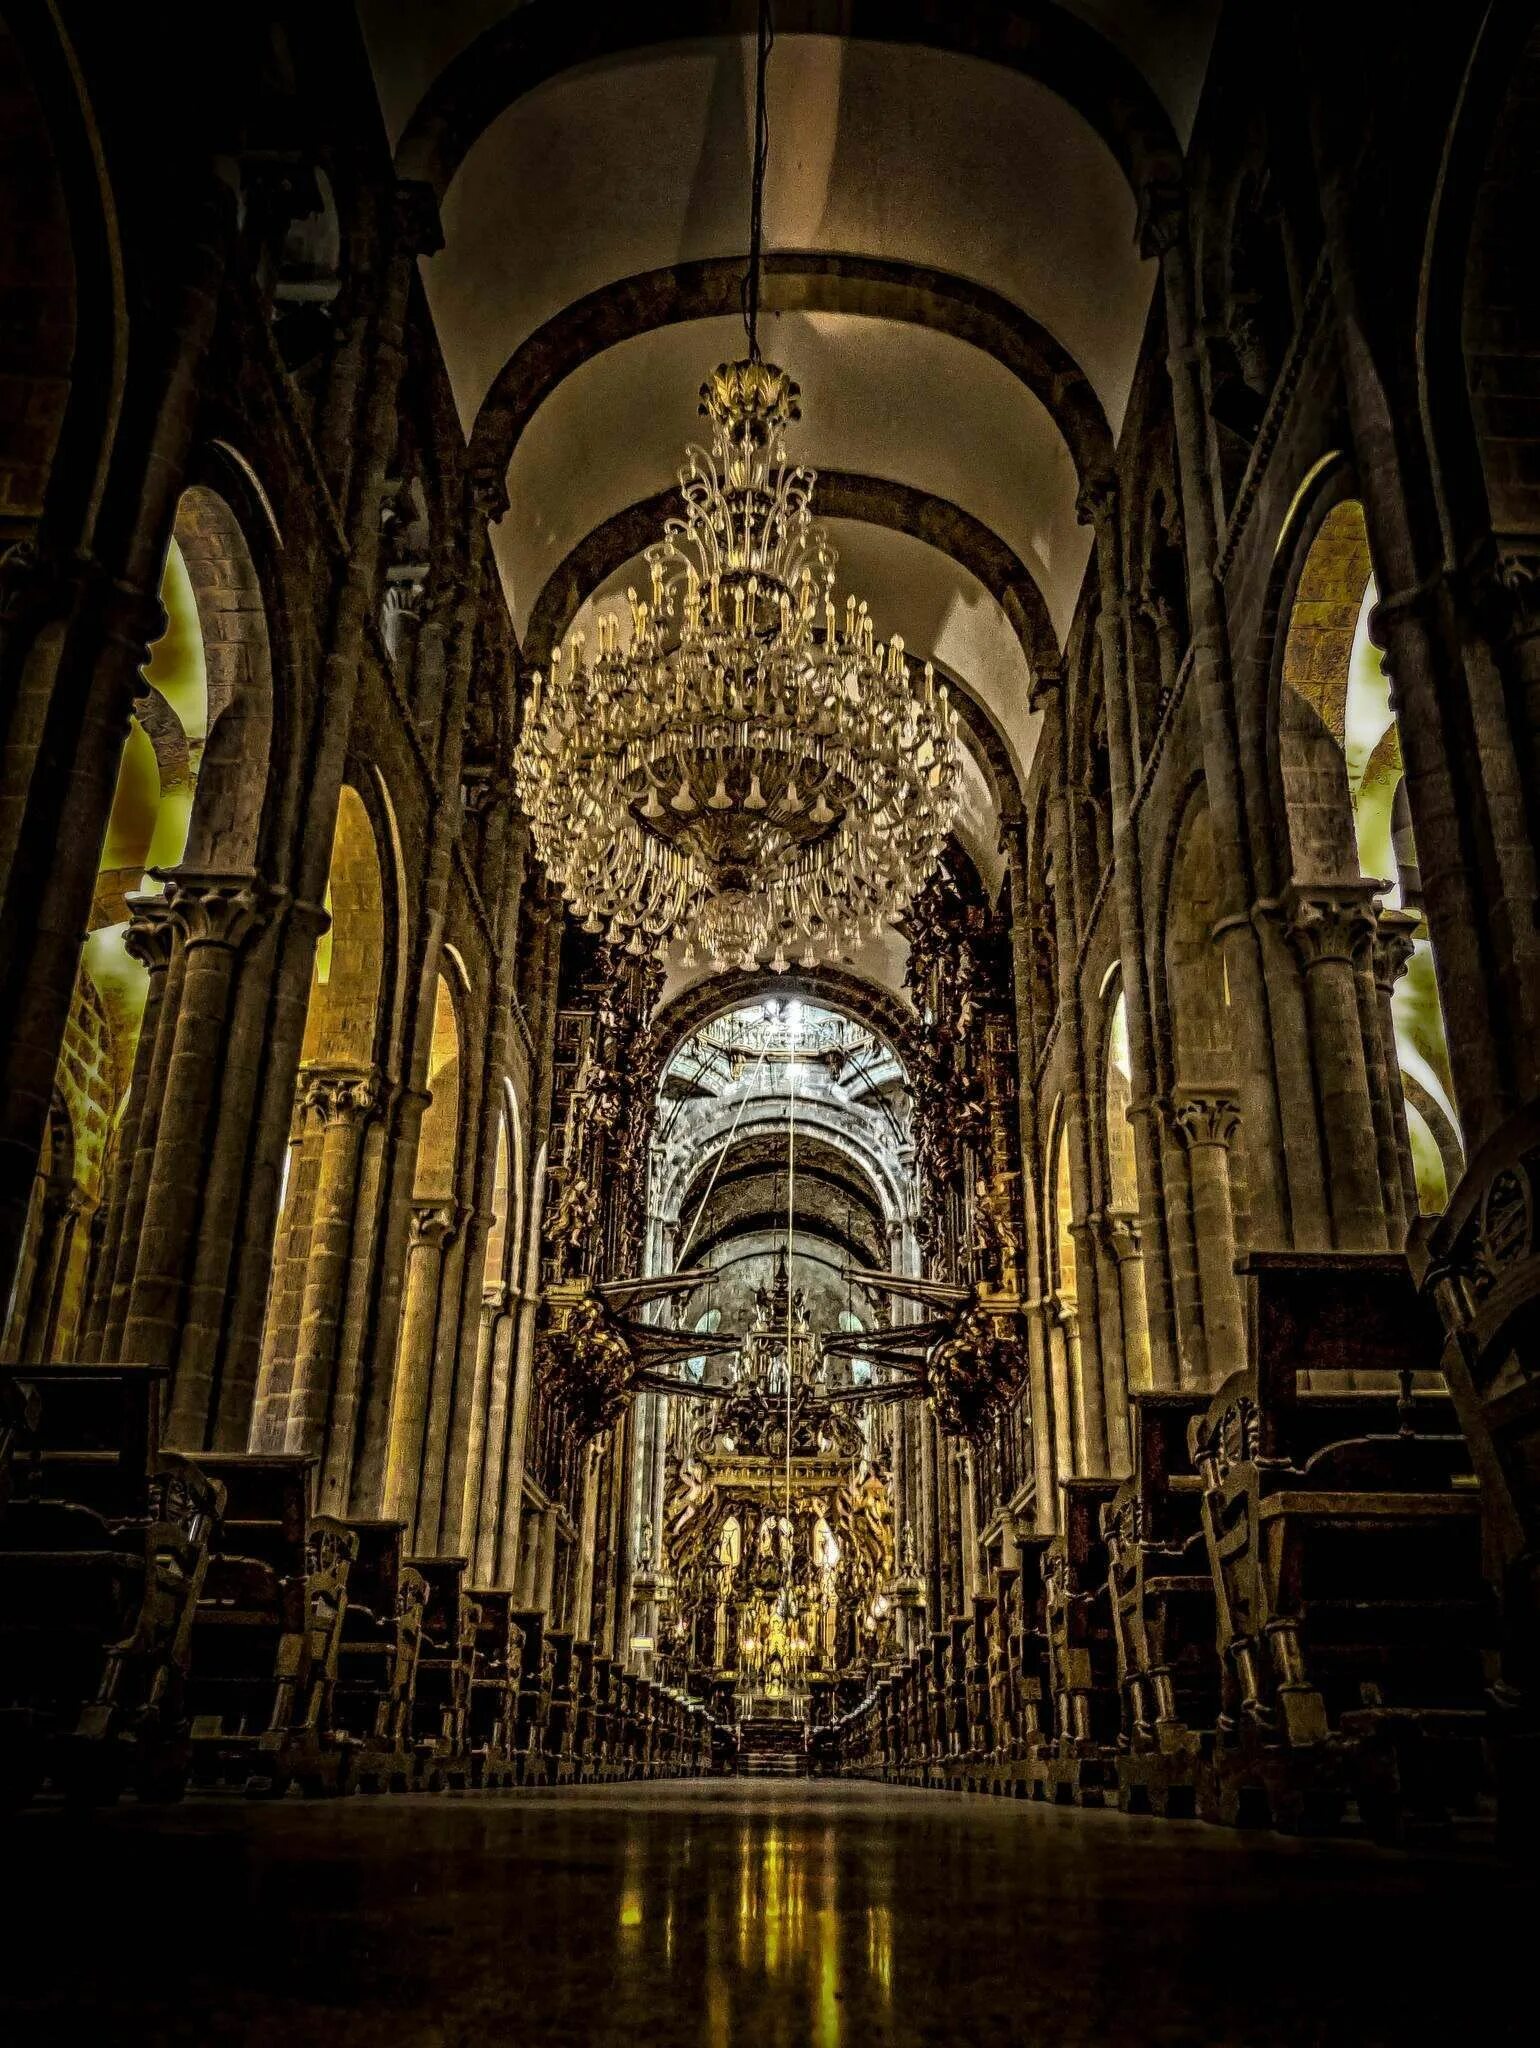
[(791, 1224), (764, 41), (679, 1265)]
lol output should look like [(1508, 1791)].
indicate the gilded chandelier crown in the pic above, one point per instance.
[(746, 768)]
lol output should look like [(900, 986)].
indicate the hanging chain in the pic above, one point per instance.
[(791, 1230), (765, 41)]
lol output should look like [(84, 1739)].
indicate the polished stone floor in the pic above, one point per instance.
[(767, 1913)]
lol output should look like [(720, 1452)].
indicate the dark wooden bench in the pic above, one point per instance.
[(1162, 1609), (446, 1658), (494, 1689), (1344, 1537), (104, 1542), (1080, 1766), (583, 1727), (533, 1704), (267, 1630), (377, 1652)]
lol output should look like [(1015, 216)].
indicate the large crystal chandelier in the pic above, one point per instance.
[(736, 761)]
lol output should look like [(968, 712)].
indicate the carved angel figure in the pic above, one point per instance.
[(568, 1230)]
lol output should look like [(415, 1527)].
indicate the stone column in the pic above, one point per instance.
[(481, 1497), (543, 1593), (1164, 234), (433, 1226), (215, 917), (348, 1379), (1099, 504), (344, 1100), (443, 1473), (1093, 1402), (1029, 1028), (544, 972), (90, 675), (1119, 1238), (62, 1209), (1206, 1121), (1383, 1070), (1330, 927), (930, 1514), (241, 1238), (148, 940), (1088, 1402), (1395, 942), (1476, 891)]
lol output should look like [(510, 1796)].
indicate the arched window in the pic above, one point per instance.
[(1337, 699), (1122, 1170)]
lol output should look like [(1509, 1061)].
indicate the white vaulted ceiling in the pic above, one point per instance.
[(951, 203)]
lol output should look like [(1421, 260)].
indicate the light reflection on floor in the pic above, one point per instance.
[(733, 1915)]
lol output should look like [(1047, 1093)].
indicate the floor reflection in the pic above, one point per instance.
[(785, 1941), (760, 1915)]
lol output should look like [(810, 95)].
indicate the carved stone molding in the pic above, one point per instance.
[(1203, 1116), (218, 910), (1330, 922)]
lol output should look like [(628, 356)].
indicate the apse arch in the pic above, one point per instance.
[(830, 988)]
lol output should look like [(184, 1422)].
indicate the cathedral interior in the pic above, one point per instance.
[(770, 1022)]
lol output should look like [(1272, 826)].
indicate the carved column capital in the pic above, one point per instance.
[(218, 910), (151, 932), (1119, 1233), (1203, 1116), (434, 1224), (1330, 922), (1395, 941), (343, 1094)]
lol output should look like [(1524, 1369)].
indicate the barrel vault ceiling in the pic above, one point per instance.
[(953, 277)]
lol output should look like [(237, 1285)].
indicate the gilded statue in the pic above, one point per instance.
[(996, 1243), (568, 1231)]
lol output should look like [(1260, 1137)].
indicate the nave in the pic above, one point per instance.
[(769, 1009), (786, 1914)]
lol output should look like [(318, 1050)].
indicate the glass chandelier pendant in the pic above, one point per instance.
[(739, 764)]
